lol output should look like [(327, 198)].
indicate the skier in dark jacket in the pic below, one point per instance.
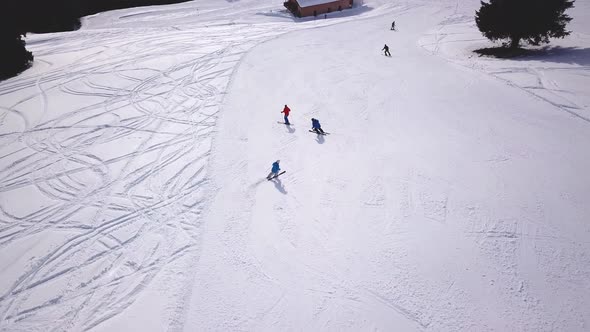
[(393, 25), (315, 126), (275, 170), (386, 49)]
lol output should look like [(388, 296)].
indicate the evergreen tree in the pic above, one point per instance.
[(14, 58), (53, 16), (532, 21), (17, 17)]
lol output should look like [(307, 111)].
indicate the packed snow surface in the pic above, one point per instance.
[(451, 194)]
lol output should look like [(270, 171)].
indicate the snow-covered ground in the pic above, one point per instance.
[(450, 194)]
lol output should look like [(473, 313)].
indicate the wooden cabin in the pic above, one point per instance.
[(301, 8)]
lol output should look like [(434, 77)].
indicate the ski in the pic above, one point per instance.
[(275, 176), (290, 124), (313, 131)]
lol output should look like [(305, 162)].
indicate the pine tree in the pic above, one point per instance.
[(53, 16), (17, 17), (532, 21), (14, 58)]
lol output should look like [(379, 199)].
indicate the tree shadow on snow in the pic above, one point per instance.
[(570, 55), (279, 185), (555, 54)]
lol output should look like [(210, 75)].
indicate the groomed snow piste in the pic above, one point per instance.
[(450, 195)]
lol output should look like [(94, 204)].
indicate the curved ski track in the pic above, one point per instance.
[(116, 176), (121, 174)]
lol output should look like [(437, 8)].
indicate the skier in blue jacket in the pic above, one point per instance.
[(315, 126), (275, 169)]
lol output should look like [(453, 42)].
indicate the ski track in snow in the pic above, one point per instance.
[(109, 138), (376, 226), (117, 175), (563, 61), (125, 213)]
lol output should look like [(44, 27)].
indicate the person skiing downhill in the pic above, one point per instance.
[(386, 49), (315, 126), (286, 110), (275, 170), (393, 25)]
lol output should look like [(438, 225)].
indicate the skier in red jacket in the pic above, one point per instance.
[(286, 110)]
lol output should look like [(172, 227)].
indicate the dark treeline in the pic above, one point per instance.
[(18, 17), (95, 6)]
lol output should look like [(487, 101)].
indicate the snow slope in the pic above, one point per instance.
[(104, 149), (444, 199), (449, 196)]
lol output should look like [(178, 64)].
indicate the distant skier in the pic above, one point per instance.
[(386, 49), (275, 170), (315, 126), (286, 110), (393, 25)]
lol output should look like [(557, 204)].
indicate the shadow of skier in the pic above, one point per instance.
[(290, 129), (279, 185), (320, 139)]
